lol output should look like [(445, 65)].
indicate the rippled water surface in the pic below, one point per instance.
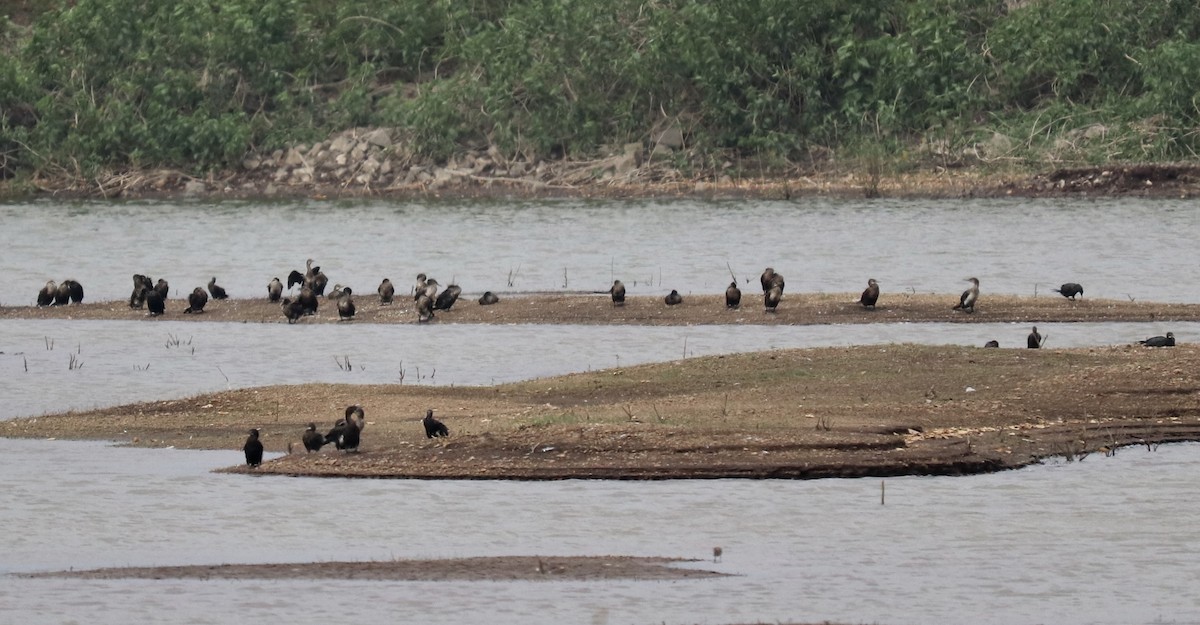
[(1108, 540), (1114, 247)]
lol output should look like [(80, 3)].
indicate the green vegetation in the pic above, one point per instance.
[(101, 85)]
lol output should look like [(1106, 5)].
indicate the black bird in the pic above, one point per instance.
[(673, 298), (424, 308), (163, 288), (253, 449), (771, 298), (488, 298), (313, 441), (217, 291), (1159, 341), (617, 290), (274, 290), (386, 292), (62, 295), (76, 290), (308, 300), (433, 427), (446, 298), (1070, 290), (733, 295), (431, 289), (769, 279), (1034, 340), (47, 294), (141, 285), (870, 295), (345, 305), (294, 278), (992, 343), (419, 286), (319, 281), (336, 293), (155, 303), (352, 434), (196, 301), (966, 301), (292, 310)]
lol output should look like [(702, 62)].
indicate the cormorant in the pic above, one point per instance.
[(446, 298), (431, 289), (870, 295), (308, 300), (295, 278), (1034, 340), (386, 292), (47, 294), (733, 295), (1159, 341), (217, 291), (76, 290), (292, 310), (313, 441), (155, 303), (673, 298), (141, 285), (196, 301), (769, 279), (771, 298), (345, 304), (966, 301), (62, 295), (163, 288), (488, 298), (347, 434), (1070, 290), (617, 290), (419, 286), (424, 308), (274, 290), (433, 427), (336, 293), (992, 343), (318, 281), (253, 449)]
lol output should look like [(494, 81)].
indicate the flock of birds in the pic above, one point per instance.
[(428, 298), (346, 434)]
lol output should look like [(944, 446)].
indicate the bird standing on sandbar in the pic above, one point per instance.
[(617, 290), (1034, 340), (1069, 290), (966, 301), (1159, 341), (870, 295), (733, 295), (433, 427), (673, 298), (253, 449), (313, 440)]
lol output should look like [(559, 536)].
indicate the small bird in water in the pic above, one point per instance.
[(673, 298), (488, 298), (217, 291), (733, 295), (313, 441), (1159, 341), (253, 449), (196, 301), (386, 292), (345, 305), (274, 290), (870, 295), (617, 290), (433, 427), (966, 301), (1070, 290), (992, 343), (1034, 340)]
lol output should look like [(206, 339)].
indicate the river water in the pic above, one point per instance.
[(1107, 540)]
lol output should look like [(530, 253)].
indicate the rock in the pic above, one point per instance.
[(671, 138), (270, 189), (194, 187), (385, 167), (630, 158), (341, 144), (1095, 131), (380, 137), (293, 158)]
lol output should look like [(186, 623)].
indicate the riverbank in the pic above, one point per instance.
[(808, 413), (702, 309)]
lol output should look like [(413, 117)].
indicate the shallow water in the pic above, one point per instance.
[(1116, 248), (121, 362), (1096, 542)]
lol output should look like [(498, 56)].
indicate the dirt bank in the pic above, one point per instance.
[(705, 309), (856, 411)]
